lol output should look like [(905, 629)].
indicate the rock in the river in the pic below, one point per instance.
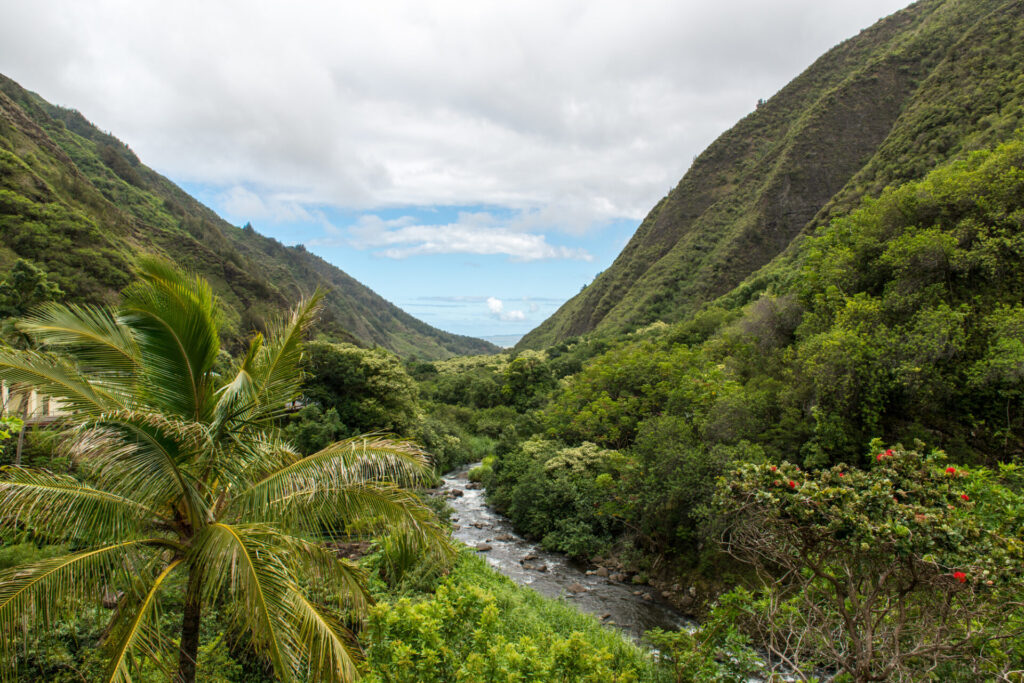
[(504, 537), (576, 588), (473, 486), (606, 615), (602, 572), (529, 556), (686, 602), (618, 577), (456, 493), (541, 567), (647, 596), (483, 547), (480, 525)]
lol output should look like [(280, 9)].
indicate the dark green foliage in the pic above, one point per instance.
[(368, 389), (901, 320), (564, 496), (313, 428), (526, 380), (25, 286)]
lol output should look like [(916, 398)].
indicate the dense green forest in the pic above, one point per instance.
[(708, 452)]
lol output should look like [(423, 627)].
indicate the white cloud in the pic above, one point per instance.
[(473, 233), (571, 111), (497, 308)]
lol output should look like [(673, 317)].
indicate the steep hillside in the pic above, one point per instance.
[(78, 202), (922, 86)]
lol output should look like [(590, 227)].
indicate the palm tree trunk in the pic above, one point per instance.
[(189, 648)]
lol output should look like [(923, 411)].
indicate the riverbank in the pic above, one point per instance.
[(615, 600)]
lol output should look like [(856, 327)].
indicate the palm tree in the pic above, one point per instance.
[(182, 483)]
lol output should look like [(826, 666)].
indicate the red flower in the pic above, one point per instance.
[(965, 496), (776, 482), (774, 468), (960, 576), (841, 474), (888, 453), (880, 456), (950, 470), (792, 484)]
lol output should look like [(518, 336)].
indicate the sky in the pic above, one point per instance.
[(474, 162)]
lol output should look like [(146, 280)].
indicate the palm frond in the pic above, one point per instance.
[(276, 369), (61, 508), (246, 562), (174, 316), (57, 378), (141, 634), (37, 591), (143, 456), (345, 580), (330, 653), (235, 399), (353, 461), (95, 336), (360, 509)]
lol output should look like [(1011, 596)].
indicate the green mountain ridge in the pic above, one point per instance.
[(78, 203), (920, 87)]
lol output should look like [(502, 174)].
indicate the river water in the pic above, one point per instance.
[(622, 605)]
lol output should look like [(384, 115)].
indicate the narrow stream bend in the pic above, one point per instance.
[(632, 609)]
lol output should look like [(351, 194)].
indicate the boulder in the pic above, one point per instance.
[(483, 547), (576, 588), (602, 572)]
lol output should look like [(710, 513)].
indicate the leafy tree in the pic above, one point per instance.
[(184, 484), (25, 286), (526, 377), (369, 388)]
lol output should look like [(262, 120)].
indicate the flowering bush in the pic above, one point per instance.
[(883, 569)]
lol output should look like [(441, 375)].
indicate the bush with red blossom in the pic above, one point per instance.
[(878, 565)]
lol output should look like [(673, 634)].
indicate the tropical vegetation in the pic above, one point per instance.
[(181, 483)]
